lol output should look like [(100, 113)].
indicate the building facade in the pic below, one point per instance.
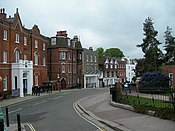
[(23, 56), (90, 68), (169, 70), (65, 60), (130, 69)]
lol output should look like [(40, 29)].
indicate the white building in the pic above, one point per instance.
[(130, 68)]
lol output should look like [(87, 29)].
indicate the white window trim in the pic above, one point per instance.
[(25, 40), (44, 61), (44, 46), (5, 35), (5, 83), (17, 38), (4, 56), (36, 44)]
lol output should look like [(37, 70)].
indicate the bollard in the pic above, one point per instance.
[(1, 125), (7, 117), (18, 121)]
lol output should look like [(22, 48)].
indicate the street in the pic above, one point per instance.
[(54, 112)]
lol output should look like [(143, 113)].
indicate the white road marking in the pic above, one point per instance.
[(10, 112)]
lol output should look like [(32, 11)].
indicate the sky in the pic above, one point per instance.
[(98, 23)]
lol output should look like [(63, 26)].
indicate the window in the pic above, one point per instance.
[(73, 43), (36, 44), (95, 58), (68, 55), (44, 61), (25, 57), (25, 40), (91, 59), (80, 56), (115, 66), (5, 35), (111, 66), (36, 58), (36, 79), (5, 83), (44, 46), (106, 66), (17, 38), (68, 41), (53, 41), (62, 55), (74, 55), (63, 68), (87, 58), (17, 56), (4, 56)]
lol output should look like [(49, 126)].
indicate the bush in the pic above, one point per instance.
[(154, 82), (163, 113)]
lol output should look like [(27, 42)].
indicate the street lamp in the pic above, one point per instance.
[(58, 77)]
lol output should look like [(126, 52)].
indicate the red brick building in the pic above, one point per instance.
[(65, 60), (111, 69), (23, 56), (169, 70)]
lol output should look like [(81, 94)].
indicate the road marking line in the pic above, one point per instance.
[(57, 97), (10, 112), (31, 127), (100, 128)]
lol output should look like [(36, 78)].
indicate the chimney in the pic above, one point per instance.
[(76, 38), (61, 33), (90, 48), (3, 14)]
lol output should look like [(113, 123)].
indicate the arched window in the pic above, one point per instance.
[(17, 56), (36, 58)]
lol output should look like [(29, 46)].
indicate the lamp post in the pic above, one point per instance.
[(59, 88)]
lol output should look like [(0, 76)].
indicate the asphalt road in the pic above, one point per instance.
[(54, 112)]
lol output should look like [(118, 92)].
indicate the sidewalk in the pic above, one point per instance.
[(99, 106)]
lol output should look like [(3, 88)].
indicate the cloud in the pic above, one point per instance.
[(99, 23)]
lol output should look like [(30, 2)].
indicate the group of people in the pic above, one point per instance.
[(36, 90)]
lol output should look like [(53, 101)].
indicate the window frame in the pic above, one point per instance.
[(17, 38), (5, 35)]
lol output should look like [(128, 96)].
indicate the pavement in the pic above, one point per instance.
[(107, 112), (105, 115)]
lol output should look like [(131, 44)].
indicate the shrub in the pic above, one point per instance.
[(154, 82)]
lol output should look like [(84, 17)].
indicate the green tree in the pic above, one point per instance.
[(169, 46), (114, 52), (153, 55), (100, 52)]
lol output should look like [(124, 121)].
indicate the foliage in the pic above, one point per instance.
[(114, 52), (134, 78), (144, 105), (100, 52), (154, 82), (169, 46), (153, 55), (140, 67)]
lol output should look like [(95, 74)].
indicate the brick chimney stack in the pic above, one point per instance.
[(61, 33), (2, 13)]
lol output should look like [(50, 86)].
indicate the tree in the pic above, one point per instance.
[(114, 52), (100, 52), (153, 55), (169, 46)]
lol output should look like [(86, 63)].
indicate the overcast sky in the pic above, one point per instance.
[(98, 23)]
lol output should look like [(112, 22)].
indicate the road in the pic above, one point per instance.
[(54, 112)]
